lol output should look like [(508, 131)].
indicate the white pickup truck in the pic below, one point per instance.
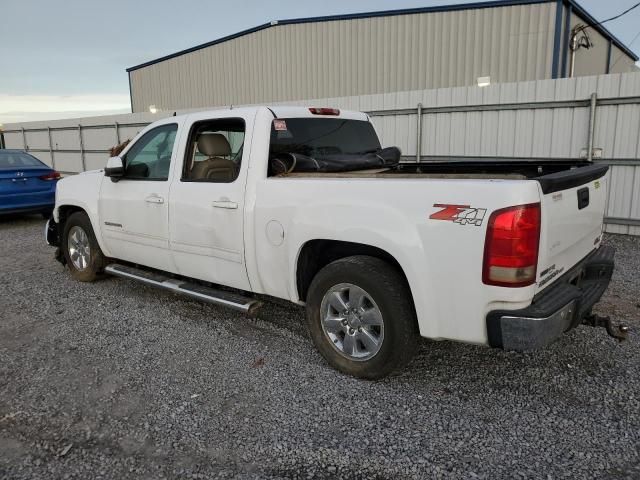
[(235, 206)]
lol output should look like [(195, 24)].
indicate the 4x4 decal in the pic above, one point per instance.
[(462, 214)]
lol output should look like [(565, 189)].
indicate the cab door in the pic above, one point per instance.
[(207, 200), (134, 212)]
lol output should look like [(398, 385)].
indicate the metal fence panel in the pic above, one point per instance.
[(37, 139), (534, 119), (65, 139), (99, 138), (70, 162)]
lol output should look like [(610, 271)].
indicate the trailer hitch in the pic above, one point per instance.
[(621, 332)]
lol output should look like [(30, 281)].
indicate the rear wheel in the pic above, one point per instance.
[(361, 317), (81, 250)]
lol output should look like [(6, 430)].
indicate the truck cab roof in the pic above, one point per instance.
[(286, 111)]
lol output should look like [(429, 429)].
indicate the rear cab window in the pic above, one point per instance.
[(337, 140)]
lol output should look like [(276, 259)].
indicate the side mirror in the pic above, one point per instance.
[(114, 168)]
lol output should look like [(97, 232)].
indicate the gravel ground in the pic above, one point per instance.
[(117, 380)]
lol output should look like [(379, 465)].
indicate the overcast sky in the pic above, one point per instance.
[(68, 58)]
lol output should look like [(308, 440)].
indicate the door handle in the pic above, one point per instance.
[(154, 199), (224, 204)]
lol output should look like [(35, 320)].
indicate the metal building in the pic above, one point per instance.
[(379, 52)]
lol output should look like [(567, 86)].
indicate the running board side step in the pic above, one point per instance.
[(246, 305)]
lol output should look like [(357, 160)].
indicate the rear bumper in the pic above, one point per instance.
[(11, 210), (42, 201), (559, 308)]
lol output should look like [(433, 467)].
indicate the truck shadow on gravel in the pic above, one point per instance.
[(584, 352), (562, 373), (21, 219)]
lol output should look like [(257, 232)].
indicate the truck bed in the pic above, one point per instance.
[(552, 175), (382, 173)]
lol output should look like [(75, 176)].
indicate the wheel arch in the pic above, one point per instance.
[(64, 211), (318, 253)]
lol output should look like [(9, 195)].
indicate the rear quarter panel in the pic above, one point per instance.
[(441, 259)]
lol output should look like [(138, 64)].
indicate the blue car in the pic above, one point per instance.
[(26, 184)]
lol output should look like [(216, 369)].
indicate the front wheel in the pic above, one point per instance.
[(361, 317), (81, 250)]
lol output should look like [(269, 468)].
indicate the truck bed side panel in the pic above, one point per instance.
[(441, 258)]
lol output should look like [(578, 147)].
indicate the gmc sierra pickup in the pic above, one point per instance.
[(235, 206)]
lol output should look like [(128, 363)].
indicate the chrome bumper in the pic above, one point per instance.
[(560, 307), (528, 333)]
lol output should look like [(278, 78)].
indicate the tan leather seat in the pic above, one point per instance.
[(214, 168)]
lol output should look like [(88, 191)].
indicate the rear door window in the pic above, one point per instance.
[(214, 151)]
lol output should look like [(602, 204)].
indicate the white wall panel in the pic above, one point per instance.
[(99, 138), (94, 161), (65, 139), (68, 162), (37, 139), (13, 140)]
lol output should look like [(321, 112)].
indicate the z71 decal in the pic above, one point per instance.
[(462, 214)]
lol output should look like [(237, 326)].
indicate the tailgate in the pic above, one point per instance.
[(573, 205)]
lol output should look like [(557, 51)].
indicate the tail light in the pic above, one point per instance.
[(511, 246), (324, 111), (50, 176)]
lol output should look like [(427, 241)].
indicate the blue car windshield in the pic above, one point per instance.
[(18, 160)]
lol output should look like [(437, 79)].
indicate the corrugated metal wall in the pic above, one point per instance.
[(560, 133), (621, 62), (529, 128), (594, 60), (356, 57)]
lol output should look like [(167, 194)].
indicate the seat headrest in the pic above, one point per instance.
[(213, 145)]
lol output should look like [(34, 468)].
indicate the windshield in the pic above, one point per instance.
[(321, 137), (18, 160)]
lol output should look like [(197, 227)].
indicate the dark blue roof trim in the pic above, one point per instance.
[(201, 46), (555, 62), (409, 11), (565, 40), (388, 13)]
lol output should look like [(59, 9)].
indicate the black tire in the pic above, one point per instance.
[(96, 263), (47, 214), (390, 292)]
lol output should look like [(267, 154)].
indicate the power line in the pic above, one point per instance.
[(583, 28), (617, 16)]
